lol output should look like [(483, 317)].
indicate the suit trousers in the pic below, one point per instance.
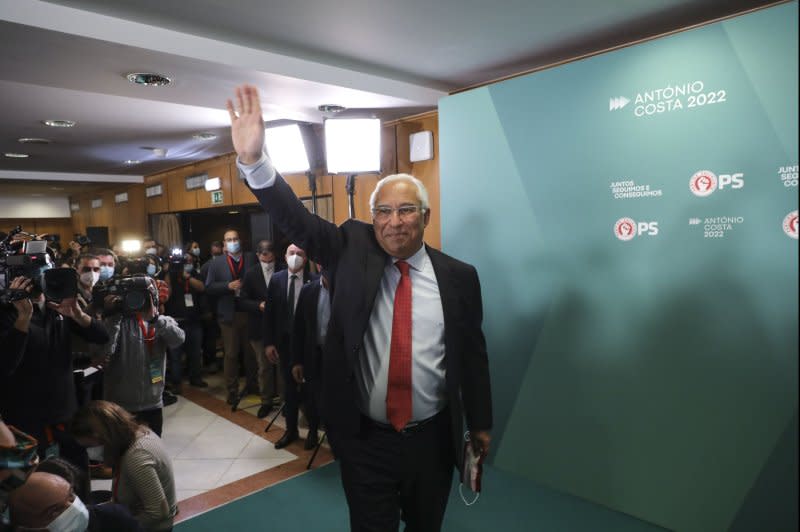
[(388, 475), (234, 339), (267, 374)]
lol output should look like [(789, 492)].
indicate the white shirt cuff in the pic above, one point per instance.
[(260, 174)]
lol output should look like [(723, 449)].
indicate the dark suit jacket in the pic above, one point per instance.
[(218, 277), (277, 329), (304, 335), (356, 261), (254, 291)]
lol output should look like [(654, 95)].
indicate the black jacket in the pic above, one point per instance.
[(304, 335), (277, 329), (356, 261), (41, 389), (254, 292), (218, 277)]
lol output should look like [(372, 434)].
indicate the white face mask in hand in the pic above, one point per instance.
[(471, 472)]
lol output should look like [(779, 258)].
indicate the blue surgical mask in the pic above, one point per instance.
[(188, 268), (196, 252), (106, 273), (233, 246), (151, 269)]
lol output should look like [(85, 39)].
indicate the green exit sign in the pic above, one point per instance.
[(216, 197)]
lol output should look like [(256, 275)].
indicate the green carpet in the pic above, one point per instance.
[(315, 501)]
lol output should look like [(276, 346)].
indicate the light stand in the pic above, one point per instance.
[(350, 187), (312, 185)]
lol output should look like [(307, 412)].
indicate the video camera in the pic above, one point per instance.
[(82, 240), (134, 292), (31, 260)]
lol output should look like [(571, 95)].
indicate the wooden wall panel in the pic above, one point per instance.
[(180, 199), (158, 204), (365, 184)]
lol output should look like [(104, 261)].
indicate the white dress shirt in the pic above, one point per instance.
[(428, 395), (268, 268), (323, 312)]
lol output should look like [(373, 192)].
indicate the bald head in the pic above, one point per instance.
[(41, 499)]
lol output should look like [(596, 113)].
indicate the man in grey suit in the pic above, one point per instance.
[(404, 361), (224, 281)]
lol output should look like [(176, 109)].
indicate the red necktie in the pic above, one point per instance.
[(398, 393)]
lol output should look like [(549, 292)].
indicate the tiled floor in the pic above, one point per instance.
[(219, 455)]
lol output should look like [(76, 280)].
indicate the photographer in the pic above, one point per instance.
[(77, 247), (186, 304), (38, 394), (140, 336)]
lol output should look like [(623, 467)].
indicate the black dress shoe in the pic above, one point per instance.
[(199, 383), (312, 440), (286, 439), (168, 398), (264, 410), (232, 399)]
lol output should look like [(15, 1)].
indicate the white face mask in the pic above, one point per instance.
[(196, 252), (74, 519), (295, 262), (150, 251), (90, 278)]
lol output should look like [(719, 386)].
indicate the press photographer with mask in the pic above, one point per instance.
[(137, 351), (38, 395)]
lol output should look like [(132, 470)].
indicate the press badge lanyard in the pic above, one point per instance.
[(187, 296), (149, 337), (237, 271)]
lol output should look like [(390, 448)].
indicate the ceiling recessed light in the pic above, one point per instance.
[(33, 140), (56, 188), (59, 123), (233, 212), (131, 162), (204, 136), (331, 108), (149, 79), (12, 155)]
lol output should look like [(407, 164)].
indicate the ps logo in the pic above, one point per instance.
[(705, 182), (626, 229)]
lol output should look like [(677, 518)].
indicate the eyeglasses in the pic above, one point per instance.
[(383, 213)]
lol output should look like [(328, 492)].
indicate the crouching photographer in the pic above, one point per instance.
[(137, 350), (38, 313)]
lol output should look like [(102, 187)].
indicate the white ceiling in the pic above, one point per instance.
[(64, 59)]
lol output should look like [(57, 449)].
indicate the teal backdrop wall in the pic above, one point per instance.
[(633, 218)]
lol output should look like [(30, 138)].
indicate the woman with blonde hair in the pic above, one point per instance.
[(143, 479)]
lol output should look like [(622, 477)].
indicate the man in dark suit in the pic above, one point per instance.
[(404, 359), (282, 293), (310, 328), (254, 301), (224, 281)]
